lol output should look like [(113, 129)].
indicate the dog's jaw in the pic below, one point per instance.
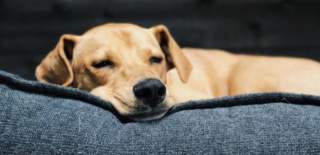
[(136, 111), (154, 115)]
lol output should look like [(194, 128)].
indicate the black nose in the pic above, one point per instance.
[(150, 91)]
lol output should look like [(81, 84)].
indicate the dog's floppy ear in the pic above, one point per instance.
[(172, 51), (56, 66)]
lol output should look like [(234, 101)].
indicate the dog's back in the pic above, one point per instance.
[(222, 73)]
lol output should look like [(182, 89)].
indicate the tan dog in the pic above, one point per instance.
[(144, 72)]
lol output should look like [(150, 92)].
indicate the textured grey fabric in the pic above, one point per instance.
[(47, 119)]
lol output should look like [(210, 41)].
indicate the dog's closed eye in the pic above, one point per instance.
[(102, 64), (155, 60)]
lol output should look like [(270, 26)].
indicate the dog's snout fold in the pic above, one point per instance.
[(150, 91)]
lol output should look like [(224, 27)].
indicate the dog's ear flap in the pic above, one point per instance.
[(172, 51), (56, 66)]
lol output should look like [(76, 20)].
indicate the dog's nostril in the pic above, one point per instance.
[(141, 92), (162, 90)]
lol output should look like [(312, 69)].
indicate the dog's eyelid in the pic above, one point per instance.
[(155, 59), (103, 63)]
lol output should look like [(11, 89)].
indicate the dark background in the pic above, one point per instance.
[(29, 29)]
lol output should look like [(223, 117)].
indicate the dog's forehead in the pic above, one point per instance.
[(116, 37), (119, 33)]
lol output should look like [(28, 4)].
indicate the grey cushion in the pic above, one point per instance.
[(48, 119)]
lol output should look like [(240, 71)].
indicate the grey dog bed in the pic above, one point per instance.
[(38, 118)]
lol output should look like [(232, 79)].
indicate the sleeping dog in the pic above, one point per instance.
[(144, 72)]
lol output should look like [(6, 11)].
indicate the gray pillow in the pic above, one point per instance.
[(38, 118)]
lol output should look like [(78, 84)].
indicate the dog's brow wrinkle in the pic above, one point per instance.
[(126, 38)]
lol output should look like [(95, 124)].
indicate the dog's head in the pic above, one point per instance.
[(123, 63)]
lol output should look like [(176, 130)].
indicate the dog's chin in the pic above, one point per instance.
[(147, 116), (140, 112), (154, 114)]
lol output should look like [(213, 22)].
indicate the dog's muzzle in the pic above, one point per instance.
[(150, 91)]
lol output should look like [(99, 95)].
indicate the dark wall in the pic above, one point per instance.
[(30, 28)]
